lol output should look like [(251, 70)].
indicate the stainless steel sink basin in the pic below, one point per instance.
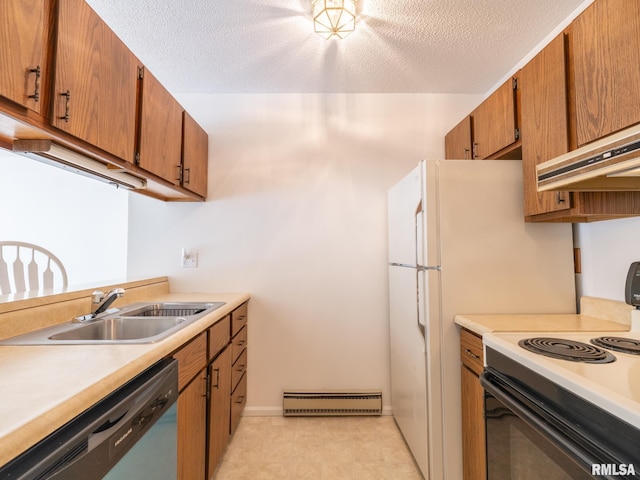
[(135, 323), (119, 328), (167, 310)]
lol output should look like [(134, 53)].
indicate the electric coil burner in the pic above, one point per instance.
[(618, 344), (567, 350)]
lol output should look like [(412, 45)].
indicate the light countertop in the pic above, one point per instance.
[(481, 324), (43, 387), (597, 315)]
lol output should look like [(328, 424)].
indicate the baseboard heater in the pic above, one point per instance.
[(309, 403)]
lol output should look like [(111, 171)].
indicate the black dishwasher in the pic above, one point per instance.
[(130, 434)]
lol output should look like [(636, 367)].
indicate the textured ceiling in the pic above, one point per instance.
[(268, 46)]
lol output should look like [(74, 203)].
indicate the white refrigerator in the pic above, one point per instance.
[(458, 243)]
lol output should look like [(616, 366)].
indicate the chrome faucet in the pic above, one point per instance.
[(103, 301), (106, 300)]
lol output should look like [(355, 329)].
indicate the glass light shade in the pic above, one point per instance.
[(334, 17)]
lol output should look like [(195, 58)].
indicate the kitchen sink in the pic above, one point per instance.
[(143, 322), (167, 310), (120, 328)]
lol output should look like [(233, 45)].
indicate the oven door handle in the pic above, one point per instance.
[(493, 385)]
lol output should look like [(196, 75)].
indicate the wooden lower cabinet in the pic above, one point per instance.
[(192, 408), (219, 409), (474, 454), (238, 402), (192, 429), (213, 390)]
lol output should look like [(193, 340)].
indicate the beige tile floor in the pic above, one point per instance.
[(317, 448)]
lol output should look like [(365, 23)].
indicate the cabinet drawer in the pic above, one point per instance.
[(191, 359), (239, 344), (238, 319), (471, 351), (238, 401), (238, 369), (219, 336)]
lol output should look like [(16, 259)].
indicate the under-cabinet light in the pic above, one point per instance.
[(46, 151)]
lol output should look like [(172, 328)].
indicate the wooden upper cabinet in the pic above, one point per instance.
[(160, 147), (494, 122), (195, 156), (606, 66), (545, 132), (457, 143), (96, 79), (22, 51)]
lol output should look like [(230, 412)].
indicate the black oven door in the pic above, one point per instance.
[(525, 440)]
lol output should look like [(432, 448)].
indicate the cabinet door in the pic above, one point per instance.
[(192, 424), (96, 80), (606, 62), (160, 147), (195, 156), (219, 409), (544, 123), (22, 51), (473, 438), (494, 122), (457, 143)]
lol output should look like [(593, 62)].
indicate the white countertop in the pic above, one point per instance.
[(481, 324), (43, 387)]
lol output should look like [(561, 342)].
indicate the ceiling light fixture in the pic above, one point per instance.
[(334, 17)]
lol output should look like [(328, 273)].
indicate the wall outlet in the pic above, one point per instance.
[(189, 259)]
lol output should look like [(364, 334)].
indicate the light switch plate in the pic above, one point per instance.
[(189, 259)]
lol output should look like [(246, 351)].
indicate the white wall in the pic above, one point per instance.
[(296, 215), (82, 221), (608, 248)]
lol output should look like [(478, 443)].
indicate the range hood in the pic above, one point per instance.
[(48, 152), (609, 164)]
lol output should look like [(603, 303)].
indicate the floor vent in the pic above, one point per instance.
[(332, 403)]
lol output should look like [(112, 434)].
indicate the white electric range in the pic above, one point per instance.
[(613, 386), (552, 416)]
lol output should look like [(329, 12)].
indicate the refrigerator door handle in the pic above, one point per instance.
[(420, 268), (424, 268), (421, 303)]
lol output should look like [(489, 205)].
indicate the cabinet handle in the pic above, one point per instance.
[(466, 153), (217, 385), (559, 197), (475, 150), (471, 354), (67, 96), (240, 399), (36, 93), (179, 176), (187, 175), (241, 368), (241, 343)]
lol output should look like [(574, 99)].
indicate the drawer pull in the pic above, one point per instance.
[(240, 399), (471, 354), (241, 343), (241, 368)]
